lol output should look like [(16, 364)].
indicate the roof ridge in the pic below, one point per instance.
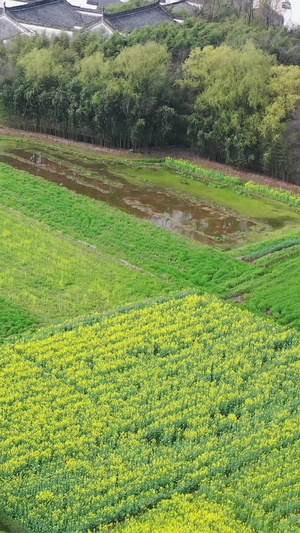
[(88, 11), (174, 3), (165, 10), (95, 18), (37, 3)]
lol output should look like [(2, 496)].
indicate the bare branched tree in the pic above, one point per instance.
[(213, 9), (270, 12)]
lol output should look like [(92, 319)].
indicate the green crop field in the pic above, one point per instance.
[(134, 398), (274, 286), (55, 277), (96, 279), (116, 233), (186, 514)]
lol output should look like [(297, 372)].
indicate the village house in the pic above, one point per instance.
[(52, 17)]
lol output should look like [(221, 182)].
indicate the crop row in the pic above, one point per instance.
[(258, 250), (274, 286), (224, 179), (185, 514), (189, 394)]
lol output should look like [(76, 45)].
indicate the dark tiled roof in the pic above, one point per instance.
[(8, 29), (51, 14), (87, 19), (136, 18), (108, 3), (26, 2), (104, 3)]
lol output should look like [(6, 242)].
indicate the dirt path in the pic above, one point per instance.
[(184, 153)]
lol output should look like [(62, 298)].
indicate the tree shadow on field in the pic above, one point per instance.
[(9, 526)]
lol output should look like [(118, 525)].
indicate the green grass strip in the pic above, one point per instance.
[(178, 261), (224, 179)]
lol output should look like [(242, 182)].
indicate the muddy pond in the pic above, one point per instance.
[(153, 193)]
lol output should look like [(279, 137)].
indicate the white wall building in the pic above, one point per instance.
[(295, 13), (53, 17), (289, 9)]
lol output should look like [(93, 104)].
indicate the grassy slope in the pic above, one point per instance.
[(181, 261), (276, 288), (274, 284), (89, 285), (184, 395), (56, 278), (197, 184)]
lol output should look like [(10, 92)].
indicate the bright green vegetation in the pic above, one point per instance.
[(173, 259), (224, 179), (185, 394), (274, 286), (254, 252), (122, 259), (57, 278)]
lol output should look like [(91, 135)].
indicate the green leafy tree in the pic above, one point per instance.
[(240, 106), (40, 64)]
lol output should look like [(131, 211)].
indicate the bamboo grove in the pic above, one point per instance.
[(224, 88)]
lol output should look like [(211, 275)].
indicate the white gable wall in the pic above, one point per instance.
[(11, 3), (50, 32), (10, 22), (295, 13), (83, 4), (104, 29)]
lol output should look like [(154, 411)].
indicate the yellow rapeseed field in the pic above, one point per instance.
[(184, 395)]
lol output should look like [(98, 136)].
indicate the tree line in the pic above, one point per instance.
[(226, 88)]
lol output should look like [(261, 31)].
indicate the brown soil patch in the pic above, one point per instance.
[(239, 298), (113, 152), (247, 259), (184, 153), (268, 312)]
